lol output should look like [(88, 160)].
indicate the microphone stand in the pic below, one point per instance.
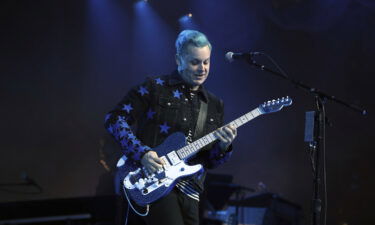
[(319, 136)]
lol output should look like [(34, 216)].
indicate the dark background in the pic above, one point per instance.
[(64, 64)]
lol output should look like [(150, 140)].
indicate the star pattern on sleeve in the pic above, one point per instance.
[(120, 130), (164, 128), (131, 136), (143, 148), (124, 142), (137, 156), (107, 116), (142, 90), (136, 142), (123, 133), (159, 81), (110, 129), (177, 94), (127, 108), (124, 124), (150, 114)]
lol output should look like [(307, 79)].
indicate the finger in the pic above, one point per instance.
[(226, 134), (156, 165), (150, 168), (229, 133), (232, 128), (220, 136), (159, 160)]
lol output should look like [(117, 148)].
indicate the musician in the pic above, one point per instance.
[(162, 105)]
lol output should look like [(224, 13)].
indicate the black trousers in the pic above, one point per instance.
[(174, 209)]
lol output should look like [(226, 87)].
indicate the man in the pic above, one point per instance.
[(167, 104)]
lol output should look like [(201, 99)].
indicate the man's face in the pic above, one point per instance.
[(194, 65)]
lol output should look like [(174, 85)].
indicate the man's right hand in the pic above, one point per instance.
[(152, 162)]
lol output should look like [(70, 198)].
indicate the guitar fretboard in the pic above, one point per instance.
[(194, 147)]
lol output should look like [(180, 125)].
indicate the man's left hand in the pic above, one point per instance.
[(226, 135)]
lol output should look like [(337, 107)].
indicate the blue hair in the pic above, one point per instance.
[(191, 37)]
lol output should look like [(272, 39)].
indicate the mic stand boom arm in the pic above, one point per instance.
[(305, 87)]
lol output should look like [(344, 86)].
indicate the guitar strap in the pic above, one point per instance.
[(201, 121)]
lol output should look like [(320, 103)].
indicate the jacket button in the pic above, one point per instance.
[(184, 118), (169, 103), (211, 119), (186, 99)]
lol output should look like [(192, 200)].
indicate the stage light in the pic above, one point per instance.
[(186, 21), (186, 18), (141, 4)]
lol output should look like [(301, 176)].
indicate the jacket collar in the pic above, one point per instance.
[(175, 79)]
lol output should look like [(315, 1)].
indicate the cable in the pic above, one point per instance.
[(312, 149), (131, 205), (274, 63), (127, 215), (320, 105)]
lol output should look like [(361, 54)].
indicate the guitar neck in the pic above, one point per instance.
[(194, 147)]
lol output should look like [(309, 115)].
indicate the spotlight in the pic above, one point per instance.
[(187, 21), (141, 4)]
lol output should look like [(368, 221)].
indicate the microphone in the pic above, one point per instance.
[(230, 56)]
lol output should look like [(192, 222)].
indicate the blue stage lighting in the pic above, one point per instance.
[(186, 18), (140, 4), (186, 21)]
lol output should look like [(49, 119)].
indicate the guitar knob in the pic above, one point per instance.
[(182, 169)]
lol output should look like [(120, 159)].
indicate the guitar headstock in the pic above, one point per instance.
[(275, 105)]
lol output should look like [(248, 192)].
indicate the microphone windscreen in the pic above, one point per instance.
[(229, 56)]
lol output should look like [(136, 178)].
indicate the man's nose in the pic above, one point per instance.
[(201, 66)]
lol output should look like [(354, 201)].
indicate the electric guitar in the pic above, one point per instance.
[(144, 188)]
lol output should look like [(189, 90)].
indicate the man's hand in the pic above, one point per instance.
[(152, 162), (226, 135)]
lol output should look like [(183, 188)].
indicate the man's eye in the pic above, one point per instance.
[(194, 62)]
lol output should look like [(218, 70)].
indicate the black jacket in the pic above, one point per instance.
[(160, 106)]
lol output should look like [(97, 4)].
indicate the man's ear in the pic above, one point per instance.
[(177, 58)]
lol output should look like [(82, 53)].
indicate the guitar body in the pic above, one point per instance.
[(144, 188)]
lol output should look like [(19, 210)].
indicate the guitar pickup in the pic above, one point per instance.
[(173, 158)]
